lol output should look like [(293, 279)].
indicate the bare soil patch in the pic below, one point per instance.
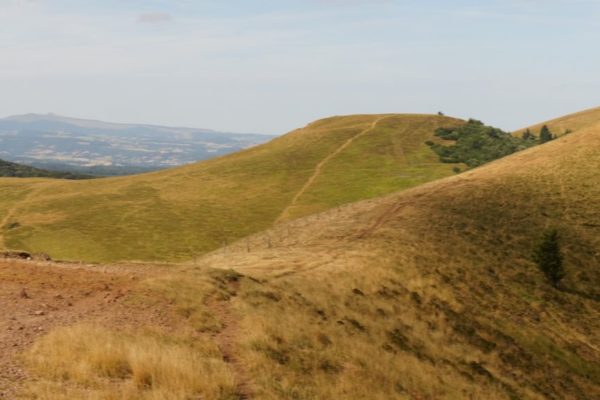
[(36, 297)]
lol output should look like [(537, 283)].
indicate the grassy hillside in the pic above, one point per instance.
[(177, 214), (432, 293), (429, 293)]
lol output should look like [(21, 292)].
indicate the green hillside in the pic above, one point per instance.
[(10, 169), (180, 213)]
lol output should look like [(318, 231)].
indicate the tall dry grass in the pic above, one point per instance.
[(110, 365)]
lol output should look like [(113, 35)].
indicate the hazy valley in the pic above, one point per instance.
[(59, 143)]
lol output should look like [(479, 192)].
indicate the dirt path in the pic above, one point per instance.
[(385, 215), (226, 340), (320, 166)]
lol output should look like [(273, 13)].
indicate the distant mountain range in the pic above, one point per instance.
[(59, 143)]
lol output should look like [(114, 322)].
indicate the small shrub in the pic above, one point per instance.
[(549, 257)]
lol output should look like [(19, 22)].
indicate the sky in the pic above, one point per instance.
[(270, 66)]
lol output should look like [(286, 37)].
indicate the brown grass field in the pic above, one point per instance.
[(427, 293)]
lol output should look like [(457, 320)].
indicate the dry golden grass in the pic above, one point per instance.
[(93, 362), (431, 293), (115, 332)]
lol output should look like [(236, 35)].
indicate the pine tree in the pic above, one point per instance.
[(527, 135), (549, 258), (545, 135)]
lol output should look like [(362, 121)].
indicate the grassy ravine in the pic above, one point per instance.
[(177, 214), (425, 294)]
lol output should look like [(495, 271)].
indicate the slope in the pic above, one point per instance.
[(179, 213), (431, 293)]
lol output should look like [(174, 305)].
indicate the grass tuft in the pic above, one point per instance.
[(111, 364)]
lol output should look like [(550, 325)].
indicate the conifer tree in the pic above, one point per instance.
[(545, 135), (549, 257)]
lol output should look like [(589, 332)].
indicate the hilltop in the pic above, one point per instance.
[(180, 213), (426, 293)]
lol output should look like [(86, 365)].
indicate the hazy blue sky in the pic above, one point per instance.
[(274, 65)]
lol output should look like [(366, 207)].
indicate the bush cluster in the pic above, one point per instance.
[(476, 143)]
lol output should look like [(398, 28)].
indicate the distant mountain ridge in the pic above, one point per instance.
[(58, 142), (98, 124)]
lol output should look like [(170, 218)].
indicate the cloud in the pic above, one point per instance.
[(154, 18)]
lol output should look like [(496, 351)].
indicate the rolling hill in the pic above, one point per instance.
[(180, 213), (426, 293), (432, 293)]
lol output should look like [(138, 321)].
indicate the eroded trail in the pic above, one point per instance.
[(226, 339), (284, 214)]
